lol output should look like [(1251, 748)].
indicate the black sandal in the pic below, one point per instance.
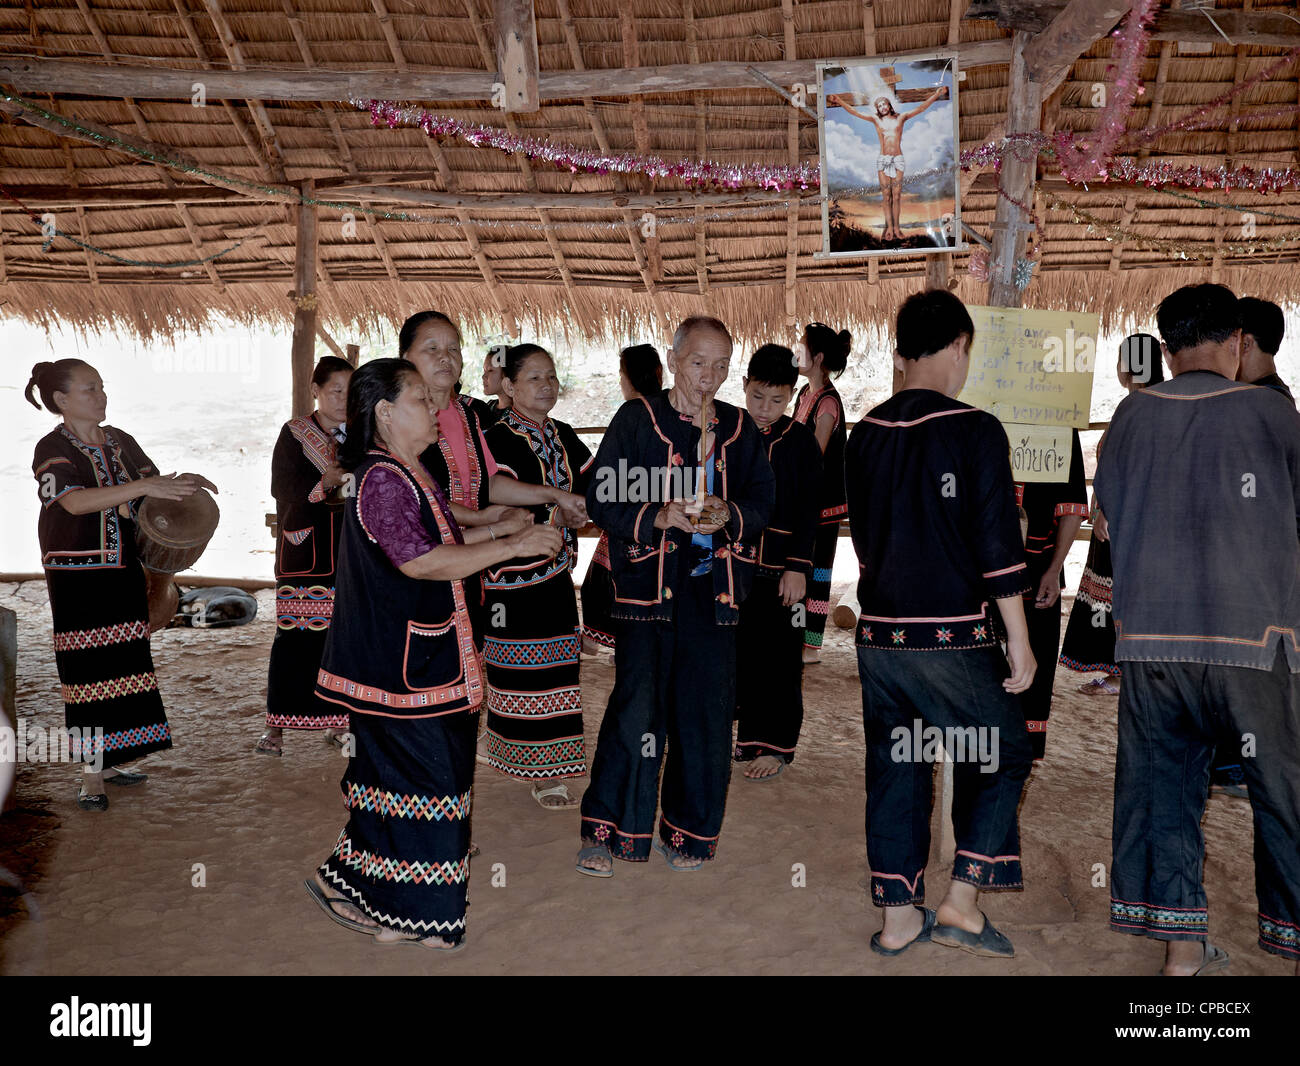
[(87, 802), (988, 943), (928, 919), (326, 903)]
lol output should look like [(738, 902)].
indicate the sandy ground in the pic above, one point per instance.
[(115, 892)]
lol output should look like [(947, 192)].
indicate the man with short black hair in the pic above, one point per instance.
[(934, 523), (1194, 468), (1262, 329)]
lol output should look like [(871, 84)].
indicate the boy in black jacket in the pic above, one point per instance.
[(769, 701)]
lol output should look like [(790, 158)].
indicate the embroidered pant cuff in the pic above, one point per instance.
[(895, 890), (630, 847), (1160, 923), (990, 873), (1278, 937)]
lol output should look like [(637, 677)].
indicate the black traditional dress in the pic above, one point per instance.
[(808, 407), (531, 641), (400, 660), (1090, 634), (310, 521), (98, 599)]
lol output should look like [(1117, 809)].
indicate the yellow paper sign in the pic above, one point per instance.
[(1032, 367), (1040, 453)]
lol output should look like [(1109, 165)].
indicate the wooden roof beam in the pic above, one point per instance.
[(521, 160), (1220, 216), (790, 49), (701, 149), (1051, 54), (77, 78), (142, 128), (516, 53), (345, 153), (235, 53)]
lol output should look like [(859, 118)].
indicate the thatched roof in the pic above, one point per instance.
[(578, 264)]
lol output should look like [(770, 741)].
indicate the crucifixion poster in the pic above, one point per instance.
[(889, 146)]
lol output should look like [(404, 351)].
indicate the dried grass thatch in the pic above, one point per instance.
[(388, 268)]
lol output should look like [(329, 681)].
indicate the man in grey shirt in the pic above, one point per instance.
[(1200, 482)]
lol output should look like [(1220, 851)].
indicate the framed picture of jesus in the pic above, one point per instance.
[(889, 148)]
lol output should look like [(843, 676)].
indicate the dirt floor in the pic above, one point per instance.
[(118, 893)]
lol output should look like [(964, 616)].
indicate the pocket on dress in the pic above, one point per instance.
[(432, 658), (297, 552)]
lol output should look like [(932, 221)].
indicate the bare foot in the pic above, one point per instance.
[(811, 655), (1184, 957), (437, 943), (602, 862), (554, 797), (960, 908), (765, 766), (344, 908), (902, 925)]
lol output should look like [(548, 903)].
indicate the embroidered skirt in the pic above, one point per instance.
[(403, 856), (101, 649), (598, 597), (531, 654), (302, 618), (825, 542), (1090, 635)]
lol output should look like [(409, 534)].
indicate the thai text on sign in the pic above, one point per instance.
[(1040, 453)]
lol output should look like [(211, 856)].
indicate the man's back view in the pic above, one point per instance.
[(1200, 482)]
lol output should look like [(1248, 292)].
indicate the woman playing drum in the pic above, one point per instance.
[(91, 478), (305, 479)]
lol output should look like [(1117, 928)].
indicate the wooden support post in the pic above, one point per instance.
[(937, 268), (304, 316), (516, 41), (352, 354), (1015, 181)]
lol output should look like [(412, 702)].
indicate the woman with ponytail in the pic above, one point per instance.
[(91, 478), (825, 353)]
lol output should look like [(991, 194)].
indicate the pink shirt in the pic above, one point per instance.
[(450, 428)]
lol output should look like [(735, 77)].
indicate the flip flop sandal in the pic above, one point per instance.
[(264, 746), (417, 940), (988, 943), (928, 920), (125, 778), (87, 802), (659, 846), (769, 777), (334, 740), (326, 903), (592, 852), (540, 794), (1215, 959)]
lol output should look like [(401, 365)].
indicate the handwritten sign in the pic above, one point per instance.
[(1032, 367), (1040, 453)]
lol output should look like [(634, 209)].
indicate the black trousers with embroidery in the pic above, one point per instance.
[(673, 703), (1171, 716), (903, 692)]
